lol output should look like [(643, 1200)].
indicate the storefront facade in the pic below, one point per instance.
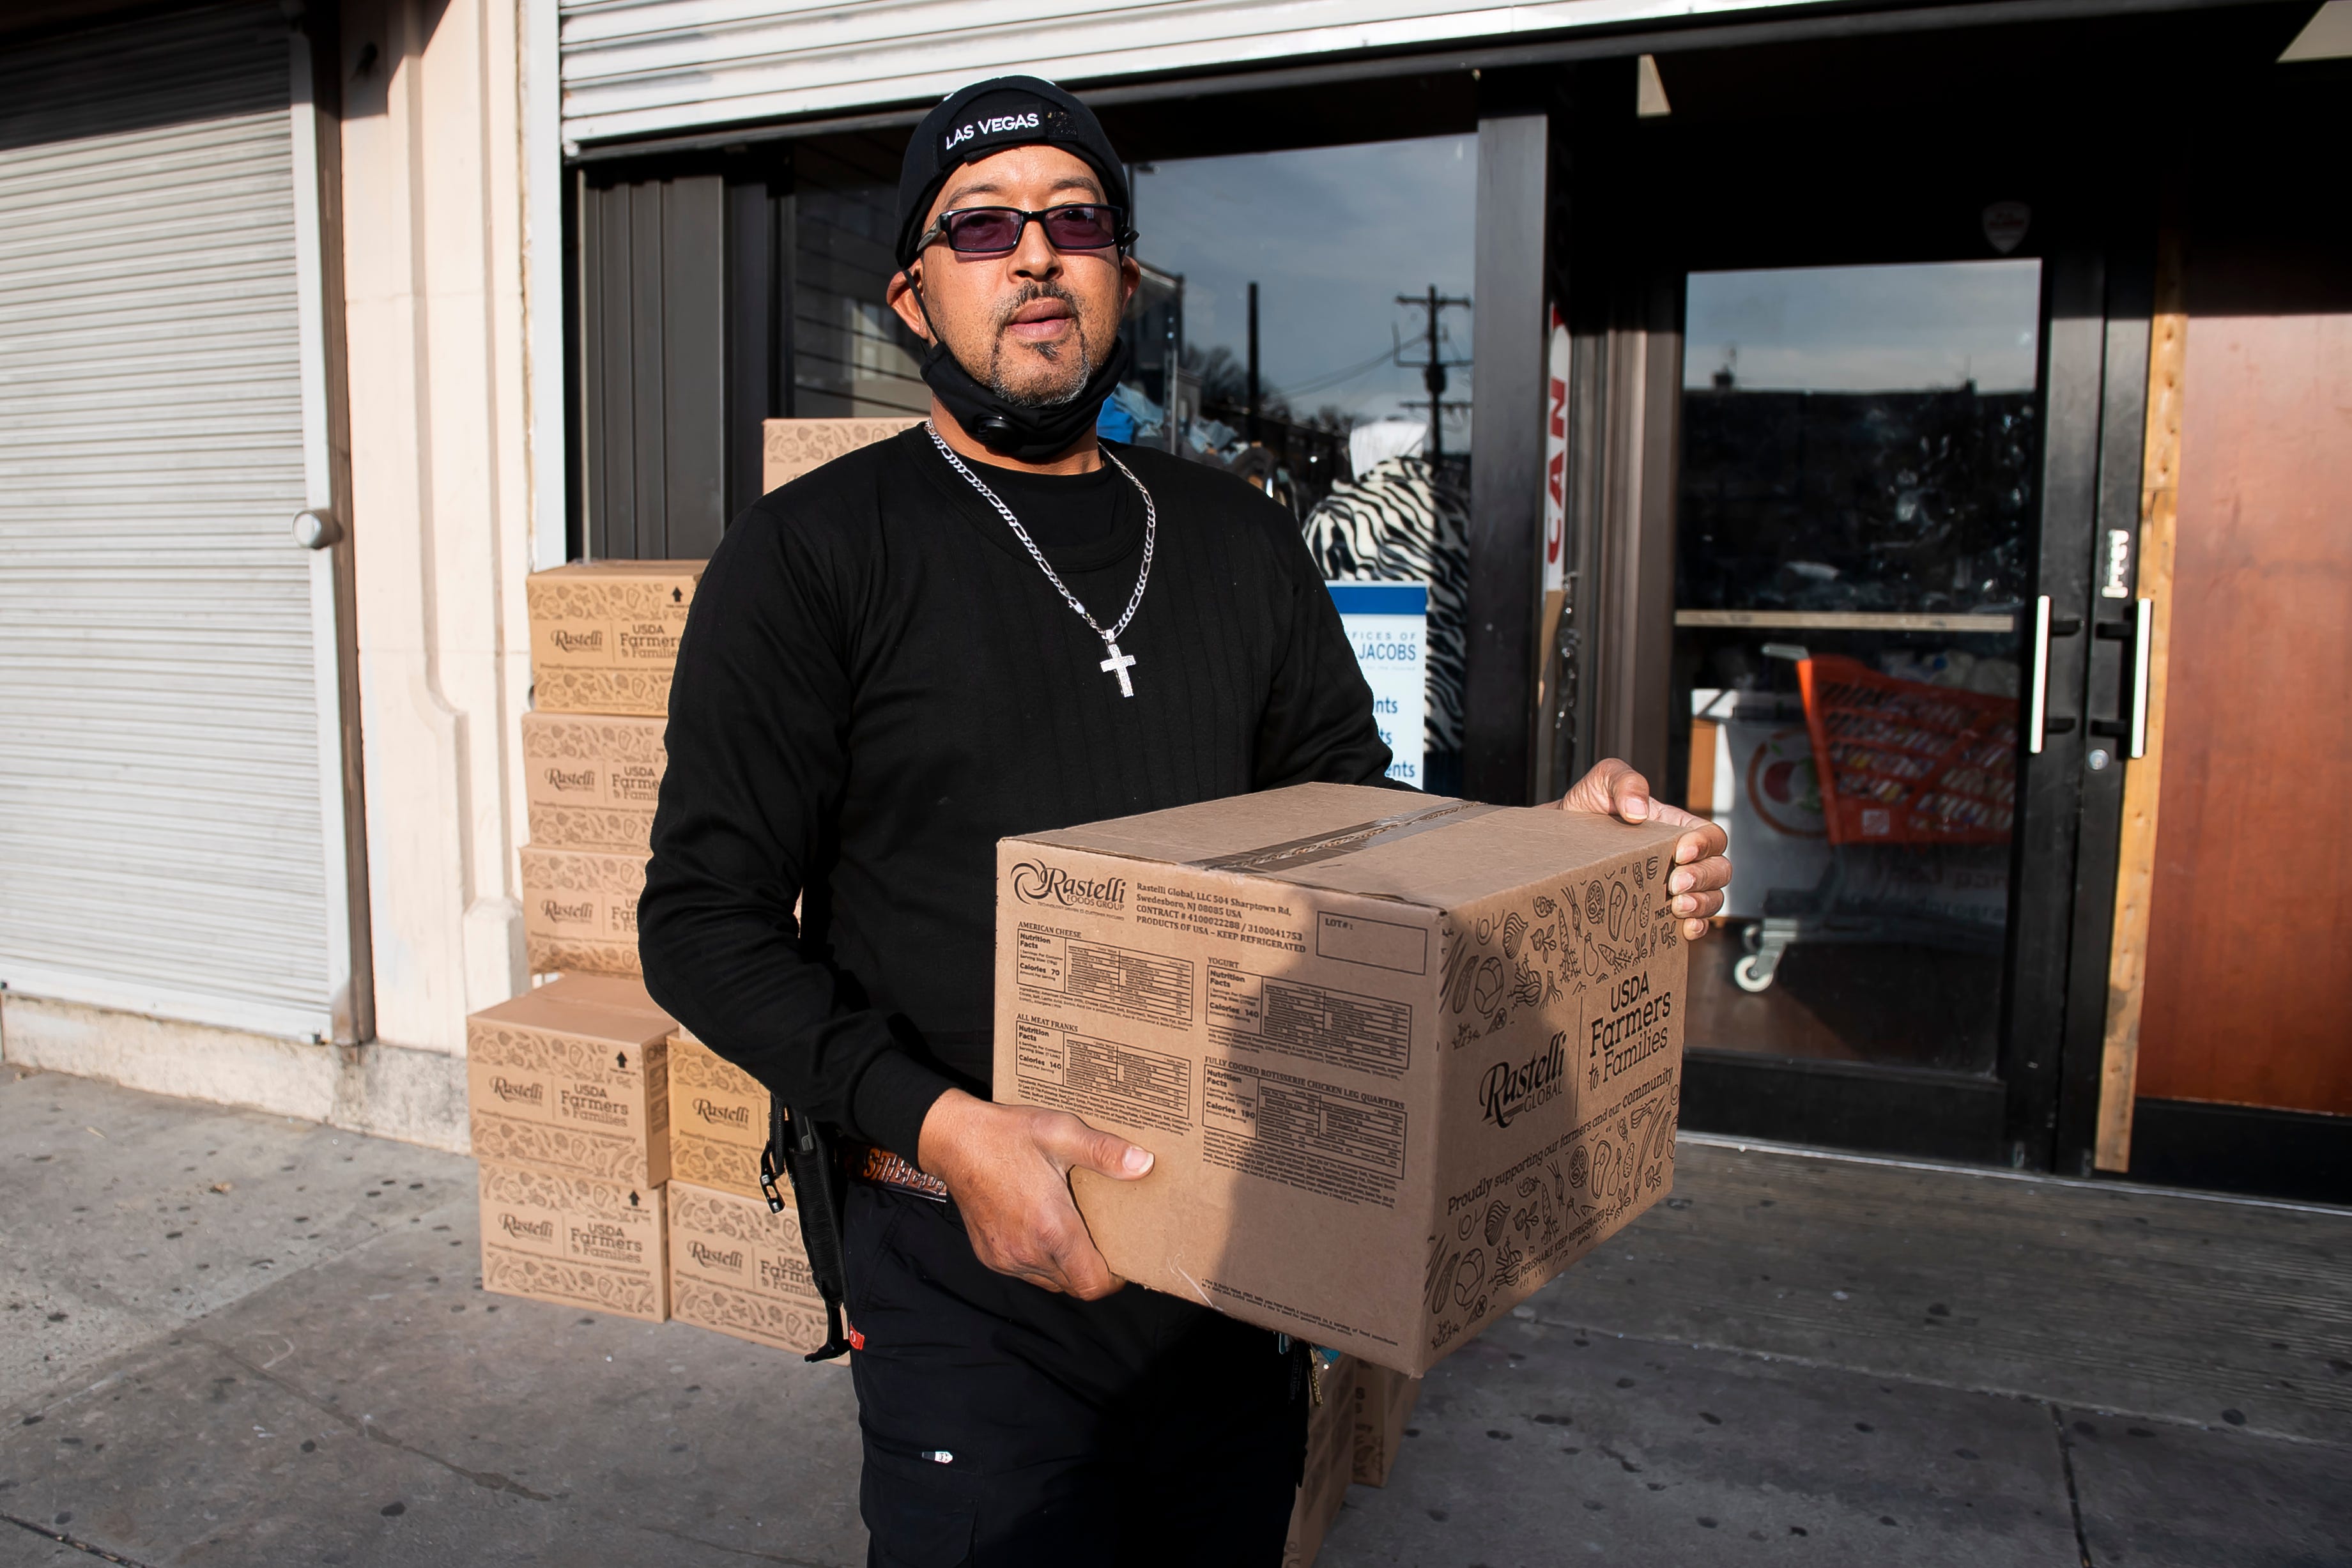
[(1817, 369)]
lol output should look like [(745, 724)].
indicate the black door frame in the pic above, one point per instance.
[(2035, 1111)]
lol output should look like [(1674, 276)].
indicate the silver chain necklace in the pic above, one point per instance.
[(1118, 663)]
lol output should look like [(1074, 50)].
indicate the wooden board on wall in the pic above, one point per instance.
[(2247, 993), (2168, 342)]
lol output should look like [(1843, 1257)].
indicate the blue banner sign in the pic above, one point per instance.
[(1388, 625)]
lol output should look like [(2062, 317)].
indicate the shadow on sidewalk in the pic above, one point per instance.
[(236, 1339)]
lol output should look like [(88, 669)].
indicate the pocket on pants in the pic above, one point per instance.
[(919, 1513)]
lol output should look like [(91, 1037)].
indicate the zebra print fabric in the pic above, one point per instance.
[(1401, 521)]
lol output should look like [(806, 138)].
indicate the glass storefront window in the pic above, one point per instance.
[(1341, 272), (852, 357), (1856, 490)]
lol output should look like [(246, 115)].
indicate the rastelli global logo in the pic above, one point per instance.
[(576, 642), (1036, 883), (511, 1092), (725, 1115), (713, 1258), (1511, 1089)]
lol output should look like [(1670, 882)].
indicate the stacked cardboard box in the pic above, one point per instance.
[(1353, 1437), (718, 1119), (604, 644), (604, 639), (1384, 1402), (591, 780), (1330, 1463), (604, 634), (790, 448), (569, 1094), (734, 1265)]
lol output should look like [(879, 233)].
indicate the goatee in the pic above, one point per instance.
[(1029, 398)]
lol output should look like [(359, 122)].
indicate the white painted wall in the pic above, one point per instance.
[(434, 268), (384, 1091)]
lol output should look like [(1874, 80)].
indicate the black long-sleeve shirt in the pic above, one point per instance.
[(876, 683)]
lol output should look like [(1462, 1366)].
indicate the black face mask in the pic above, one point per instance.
[(1027, 434)]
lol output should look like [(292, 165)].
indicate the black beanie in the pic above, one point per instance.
[(986, 118)]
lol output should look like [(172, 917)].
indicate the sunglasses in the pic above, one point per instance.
[(994, 231)]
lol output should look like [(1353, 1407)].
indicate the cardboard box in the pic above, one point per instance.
[(572, 1078), (643, 691), (578, 1240), (790, 448), (591, 780), (580, 909), (738, 1268), (1402, 1059), (1384, 1402), (717, 1120), (604, 634), (1331, 1452)]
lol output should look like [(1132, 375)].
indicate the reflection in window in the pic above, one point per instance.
[(1331, 238), (1853, 549), (1342, 274), (852, 357), (1897, 406)]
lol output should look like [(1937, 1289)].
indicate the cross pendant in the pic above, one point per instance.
[(1119, 664)]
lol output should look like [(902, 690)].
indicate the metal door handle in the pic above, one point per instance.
[(2143, 642), (2038, 721), (2039, 709), (2138, 631), (316, 529)]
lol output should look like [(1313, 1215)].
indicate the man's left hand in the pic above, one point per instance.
[(1702, 871)]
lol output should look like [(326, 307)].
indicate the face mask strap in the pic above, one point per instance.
[(1032, 435), (915, 287)]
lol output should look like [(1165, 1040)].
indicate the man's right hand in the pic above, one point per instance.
[(1008, 1169)]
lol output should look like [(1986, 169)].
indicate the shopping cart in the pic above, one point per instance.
[(1903, 765)]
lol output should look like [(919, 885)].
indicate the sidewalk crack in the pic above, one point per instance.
[(44, 1531), (2073, 1499), (362, 1427)]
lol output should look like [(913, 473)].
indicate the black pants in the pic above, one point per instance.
[(1006, 1425)]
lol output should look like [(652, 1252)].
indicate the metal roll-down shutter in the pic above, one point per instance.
[(161, 846), (648, 67)]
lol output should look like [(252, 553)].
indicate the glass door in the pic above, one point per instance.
[(1847, 412), (1859, 520), (1854, 513)]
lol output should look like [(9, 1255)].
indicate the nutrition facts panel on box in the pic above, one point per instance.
[(1315, 1136), (1101, 1079), (1339, 1028), (1109, 979)]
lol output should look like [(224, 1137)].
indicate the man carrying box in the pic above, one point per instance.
[(990, 626)]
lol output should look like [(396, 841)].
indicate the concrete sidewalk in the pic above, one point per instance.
[(231, 1339)]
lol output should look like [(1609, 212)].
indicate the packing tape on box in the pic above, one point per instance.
[(1348, 840)]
